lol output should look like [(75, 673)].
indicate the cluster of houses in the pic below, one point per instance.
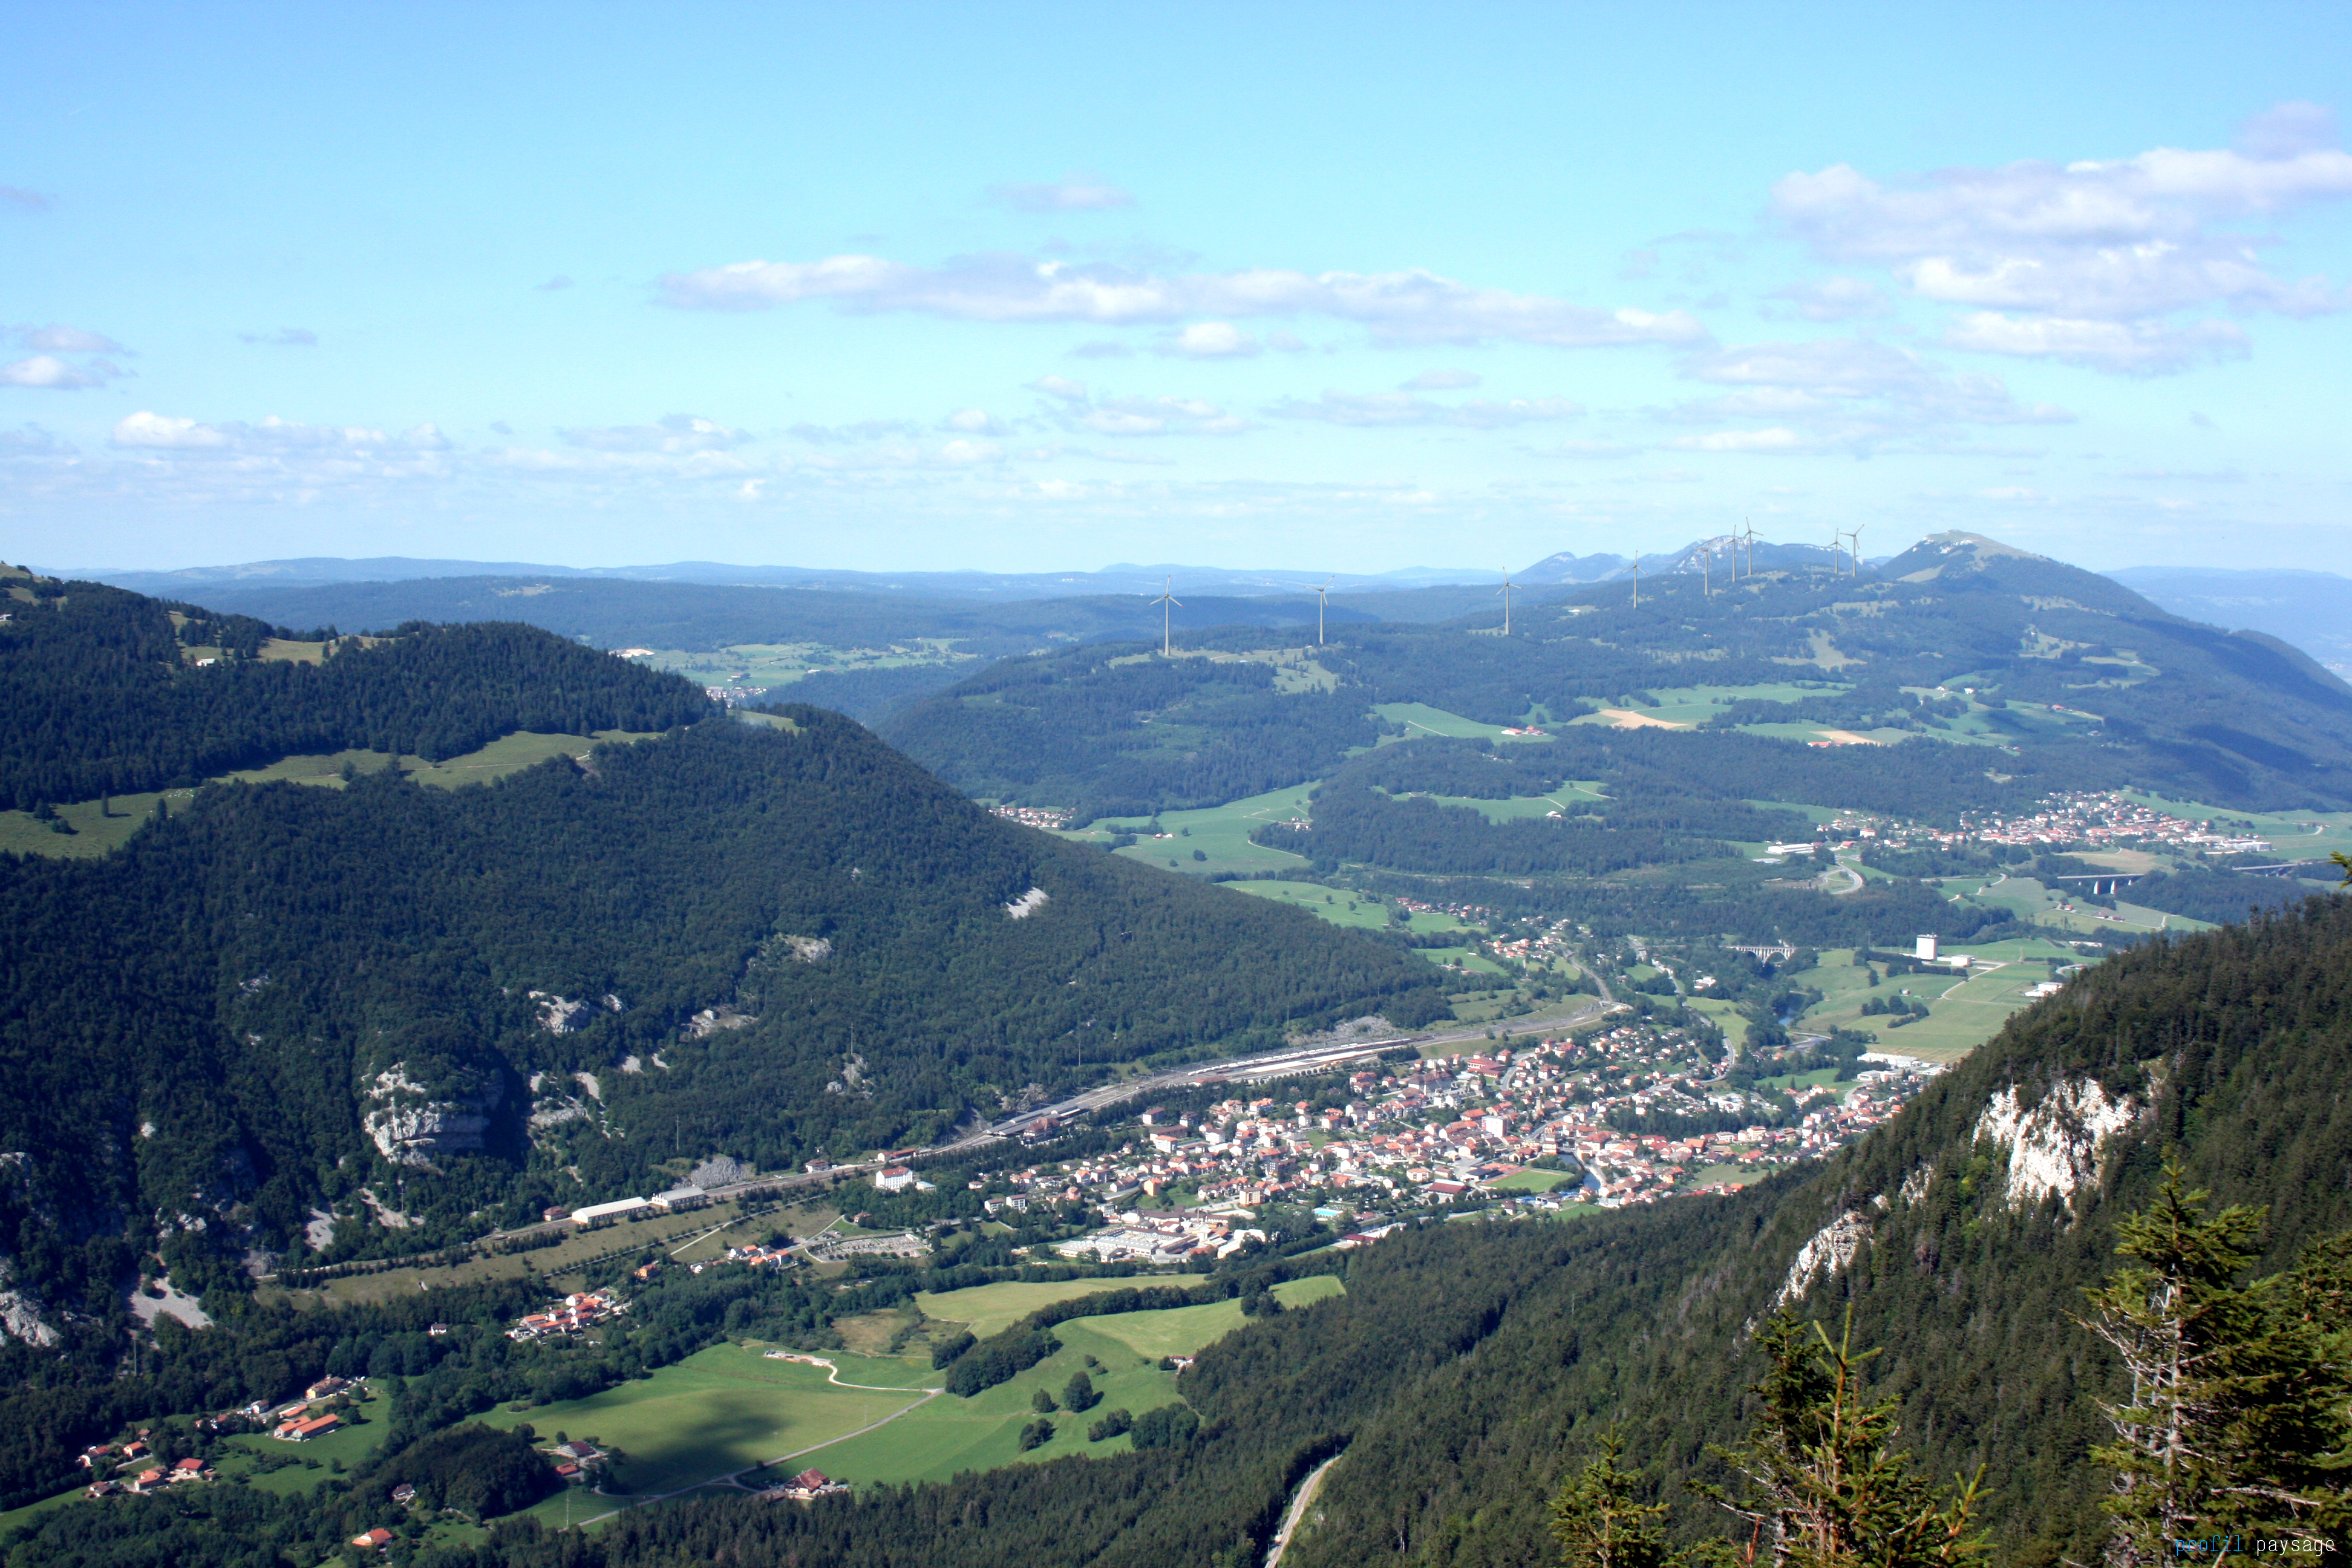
[(1033, 816), (578, 1310), (1447, 1129), (135, 1470), (2103, 819)]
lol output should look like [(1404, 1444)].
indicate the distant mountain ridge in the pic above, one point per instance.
[(1121, 578)]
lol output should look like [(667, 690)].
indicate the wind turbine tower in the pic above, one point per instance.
[(1637, 577), (1167, 635), (1858, 548), (1319, 602), (1507, 586)]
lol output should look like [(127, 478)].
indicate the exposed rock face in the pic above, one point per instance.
[(410, 1124), (1828, 1249), (809, 948), (2055, 1147), (560, 1015), (20, 1312), (1028, 903), (711, 1020)]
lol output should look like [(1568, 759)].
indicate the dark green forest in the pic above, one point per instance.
[(101, 701), (2236, 718), (1471, 1367), (284, 995)]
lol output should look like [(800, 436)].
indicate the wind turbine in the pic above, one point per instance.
[(1857, 548), (1166, 636), (1319, 603), (1637, 577), (1507, 586), (1750, 528)]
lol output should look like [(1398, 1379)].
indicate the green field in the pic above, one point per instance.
[(1523, 806), (1533, 1182), (1697, 704), (1220, 832), (1421, 720), (1342, 907), (950, 1435), (102, 825), (780, 664), (986, 1310), (726, 1409)]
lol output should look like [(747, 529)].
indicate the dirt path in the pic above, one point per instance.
[(1297, 1510)]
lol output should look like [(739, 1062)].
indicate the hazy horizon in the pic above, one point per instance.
[(1005, 291)]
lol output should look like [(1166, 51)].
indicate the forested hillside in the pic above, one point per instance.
[(1469, 1368), (285, 1018), (2065, 680), (103, 697)]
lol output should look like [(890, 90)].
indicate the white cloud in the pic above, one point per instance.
[(271, 437), (676, 433), (965, 453), (864, 430), (1213, 340), (1779, 439), (30, 200), (1161, 417), (1834, 371), (1440, 381), (47, 373), (283, 338), (975, 422), (1835, 299), (1412, 307), (1099, 349), (1070, 194), (57, 339), (2129, 240), (1373, 409), (554, 285), (2133, 347), (1060, 387)]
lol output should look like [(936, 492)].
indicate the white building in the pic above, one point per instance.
[(1925, 950)]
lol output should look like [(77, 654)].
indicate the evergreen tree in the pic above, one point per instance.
[(1834, 1492), (2237, 1423)]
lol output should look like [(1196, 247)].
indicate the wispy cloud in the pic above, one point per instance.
[(1440, 381), (1377, 409), (554, 285), (674, 433), (153, 432), (1070, 194), (283, 338), (1213, 340), (47, 373), (24, 200), (57, 339), (1396, 308)]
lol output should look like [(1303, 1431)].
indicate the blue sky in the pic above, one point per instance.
[(1019, 287)]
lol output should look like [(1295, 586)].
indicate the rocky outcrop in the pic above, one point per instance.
[(560, 1015), (410, 1124), (1028, 904), (1827, 1251), (2055, 1147), (20, 1312)]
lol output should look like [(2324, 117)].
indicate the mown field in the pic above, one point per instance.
[(722, 1410), (100, 827), (950, 1435)]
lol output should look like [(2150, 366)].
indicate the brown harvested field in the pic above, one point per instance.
[(1626, 718), (1844, 738)]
